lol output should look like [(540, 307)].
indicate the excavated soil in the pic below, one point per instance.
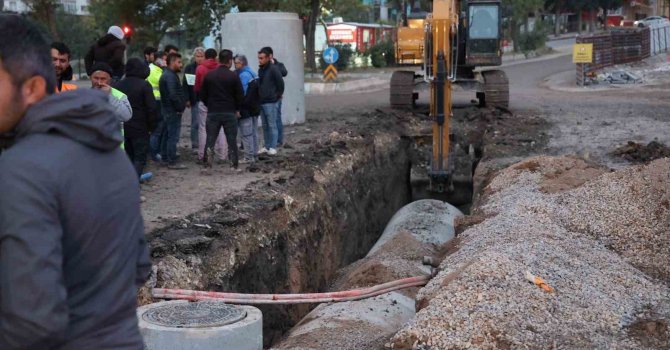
[(602, 245), (640, 153)]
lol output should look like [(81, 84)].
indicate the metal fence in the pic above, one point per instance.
[(660, 39), (621, 45)]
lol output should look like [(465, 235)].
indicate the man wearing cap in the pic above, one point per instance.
[(109, 49), (101, 78)]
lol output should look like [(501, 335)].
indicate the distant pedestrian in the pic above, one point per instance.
[(60, 57), (72, 246), (143, 103), (250, 109), (188, 83), (271, 90), (101, 79), (169, 49), (222, 93), (221, 149), (173, 103), (109, 49), (280, 122), (151, 56)]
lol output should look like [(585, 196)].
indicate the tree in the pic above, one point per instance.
[(43, 11)]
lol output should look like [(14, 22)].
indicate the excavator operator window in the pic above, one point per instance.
[(483, 20)]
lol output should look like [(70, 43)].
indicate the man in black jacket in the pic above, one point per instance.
[(271, 89), (173, 103), (222, 93), (188, 83), (284, 73), (141, 97), (109, 49), (72, 246)]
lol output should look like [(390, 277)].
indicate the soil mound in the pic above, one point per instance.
[(639, 153)]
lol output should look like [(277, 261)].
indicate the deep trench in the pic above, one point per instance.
[(338, 228)]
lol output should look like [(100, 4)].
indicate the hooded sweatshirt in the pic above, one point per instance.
[(141, 97), (205, 67), (108, 49), (72, 246)]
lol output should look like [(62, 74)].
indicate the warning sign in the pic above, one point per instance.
[(582, 53)]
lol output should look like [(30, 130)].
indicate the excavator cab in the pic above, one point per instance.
[(482, 24)]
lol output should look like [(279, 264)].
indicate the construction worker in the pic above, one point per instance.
[(60, 58), (101, 77), (155, 73)]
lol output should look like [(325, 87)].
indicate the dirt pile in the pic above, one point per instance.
[(639, 153), (603, 247)]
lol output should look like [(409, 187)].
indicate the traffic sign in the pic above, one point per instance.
[(330, 55), (582, 53), (330, 73)]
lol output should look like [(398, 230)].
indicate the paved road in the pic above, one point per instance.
[(555, 44)]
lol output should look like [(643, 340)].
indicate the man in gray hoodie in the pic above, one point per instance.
[(72, 246)]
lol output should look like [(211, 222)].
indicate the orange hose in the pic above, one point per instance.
[(239, 298)]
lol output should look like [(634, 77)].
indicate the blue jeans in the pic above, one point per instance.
[(156, 134), (248, 128), (194, 125), (172, 127), (280, 125), (270, 132)]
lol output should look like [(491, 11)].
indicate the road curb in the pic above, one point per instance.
[(359, 85)]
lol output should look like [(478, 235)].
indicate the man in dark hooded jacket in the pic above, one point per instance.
[(141, 97), (109, 49), (72, 246)]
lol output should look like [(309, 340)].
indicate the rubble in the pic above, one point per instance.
[(602, 248), (639, 153)]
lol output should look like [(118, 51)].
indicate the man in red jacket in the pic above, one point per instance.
[(208, 65)]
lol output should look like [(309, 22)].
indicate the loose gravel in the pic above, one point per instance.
[(602, 246)]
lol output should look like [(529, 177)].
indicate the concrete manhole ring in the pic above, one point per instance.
[(194, 315)]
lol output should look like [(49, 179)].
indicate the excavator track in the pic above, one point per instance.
[(496, 88), (402, 89)]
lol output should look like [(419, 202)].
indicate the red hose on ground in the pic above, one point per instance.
[(239, 298)]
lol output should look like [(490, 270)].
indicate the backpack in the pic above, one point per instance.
[(252, 100)]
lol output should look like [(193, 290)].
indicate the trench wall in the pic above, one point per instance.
[(292, 236)]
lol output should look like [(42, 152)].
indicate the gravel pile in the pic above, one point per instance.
[(602, 247)]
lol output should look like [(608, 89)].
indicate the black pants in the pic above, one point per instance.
[(137, 149), (229, 123)]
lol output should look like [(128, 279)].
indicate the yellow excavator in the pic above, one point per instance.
[(450, 42)]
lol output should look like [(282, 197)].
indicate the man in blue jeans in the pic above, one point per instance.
[(284, 73), (271, 90), (173, 103)]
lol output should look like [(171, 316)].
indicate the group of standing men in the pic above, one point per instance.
[(220, 100)]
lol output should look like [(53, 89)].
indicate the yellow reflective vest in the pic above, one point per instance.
[(155, 73)]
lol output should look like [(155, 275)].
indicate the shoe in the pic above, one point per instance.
[(263, 150), (237, 170), (176, 166), (156, 158), (272, 151), (246, 161), (146, 177), (194, 151), (143, 199)]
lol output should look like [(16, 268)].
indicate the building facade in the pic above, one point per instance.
[(74, 7)]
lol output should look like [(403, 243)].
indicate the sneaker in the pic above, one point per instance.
[(263, 150), (237, 170), (272, 151), (156, 158), (209, 160), (146, 177), (176, 166), (143, 199)]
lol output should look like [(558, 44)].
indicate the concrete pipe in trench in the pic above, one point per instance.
[(419, 229)]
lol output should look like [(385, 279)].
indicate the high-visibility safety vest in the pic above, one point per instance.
[(155, 73), (118, 94), (66, 87)]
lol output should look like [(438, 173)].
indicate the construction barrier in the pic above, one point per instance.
[(621, 45)]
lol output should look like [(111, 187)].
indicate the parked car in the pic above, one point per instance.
[(652, 21)]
